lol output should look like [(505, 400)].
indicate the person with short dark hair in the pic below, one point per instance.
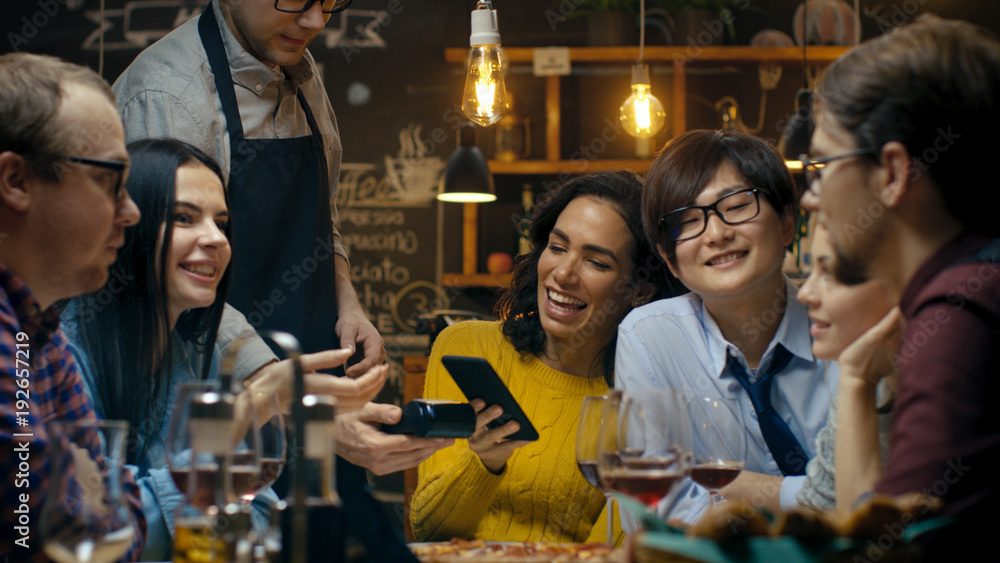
[(63, 215), (720, 208), (589, 265), (905, 125)]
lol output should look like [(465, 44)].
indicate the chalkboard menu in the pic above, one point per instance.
[(387, 220)]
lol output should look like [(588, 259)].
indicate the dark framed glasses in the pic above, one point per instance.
[(689, 222), (114, 177), (299, 6), (813, 167)]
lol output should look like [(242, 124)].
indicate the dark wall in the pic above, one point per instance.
[(395, 100), (396, 103)]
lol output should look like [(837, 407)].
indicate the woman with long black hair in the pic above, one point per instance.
[(162, 320)]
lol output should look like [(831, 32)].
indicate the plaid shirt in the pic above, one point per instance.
[(38, 383)]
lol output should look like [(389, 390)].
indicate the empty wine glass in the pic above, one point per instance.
[(86, 517), (719, 442), (652, 451), (594, 413)]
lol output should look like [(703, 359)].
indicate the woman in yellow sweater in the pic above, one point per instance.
[(589, 266)]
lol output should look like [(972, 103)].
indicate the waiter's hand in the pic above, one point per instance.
[(360, 442), (351, 393), (356, 331)]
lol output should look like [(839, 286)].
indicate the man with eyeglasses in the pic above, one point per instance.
[(720, 208), (63, 213), (906, 125), (239, 83)]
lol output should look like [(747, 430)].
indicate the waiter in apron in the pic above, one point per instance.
[(280, 194), (241, 70)]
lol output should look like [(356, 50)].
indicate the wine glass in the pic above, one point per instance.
[(652, 451), (86, 517), (270, 434), (200, 471), (719, 442), (594, 413), (178, 443)]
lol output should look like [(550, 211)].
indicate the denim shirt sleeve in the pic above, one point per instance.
[(160, 501)]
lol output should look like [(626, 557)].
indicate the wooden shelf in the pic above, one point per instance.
[(679, 58), (816, 55), (475, 280)]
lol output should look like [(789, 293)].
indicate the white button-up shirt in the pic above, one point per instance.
[(676, 344)]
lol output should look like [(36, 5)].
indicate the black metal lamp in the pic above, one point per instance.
[(794, 141), (467, 176)]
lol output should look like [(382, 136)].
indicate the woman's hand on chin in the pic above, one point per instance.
[(869, 358)]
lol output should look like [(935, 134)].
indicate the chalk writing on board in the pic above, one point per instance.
[(404, 242), (390, 265), (139, 23), (416, 299), (412, 172), (410, 178)]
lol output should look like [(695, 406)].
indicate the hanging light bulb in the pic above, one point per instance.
[(642, 114), (484, 99)]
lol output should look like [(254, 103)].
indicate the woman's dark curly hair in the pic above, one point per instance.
[(518, 306)]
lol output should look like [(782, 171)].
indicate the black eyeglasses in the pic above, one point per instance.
[(299, 6), (689, 222), (115, 175), (813, 167)]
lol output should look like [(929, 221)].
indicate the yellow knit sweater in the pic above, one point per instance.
[(541, 495)]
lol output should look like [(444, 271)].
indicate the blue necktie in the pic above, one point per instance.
[(784, 447)]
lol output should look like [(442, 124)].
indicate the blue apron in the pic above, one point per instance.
[(283, 268), (280, 203)]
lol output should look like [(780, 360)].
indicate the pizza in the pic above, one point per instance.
[(471, 551)]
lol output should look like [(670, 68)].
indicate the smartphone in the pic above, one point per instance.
[(478, 380)]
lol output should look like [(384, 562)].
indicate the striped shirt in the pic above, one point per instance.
[(39, 383)]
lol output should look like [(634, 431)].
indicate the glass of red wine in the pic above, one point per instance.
[(178, 443), (269, 434), (201, 471), (719, 442), (652, 451), (594, 413)]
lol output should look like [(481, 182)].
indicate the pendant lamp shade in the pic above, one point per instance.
[(467, 176), (795, 140)]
